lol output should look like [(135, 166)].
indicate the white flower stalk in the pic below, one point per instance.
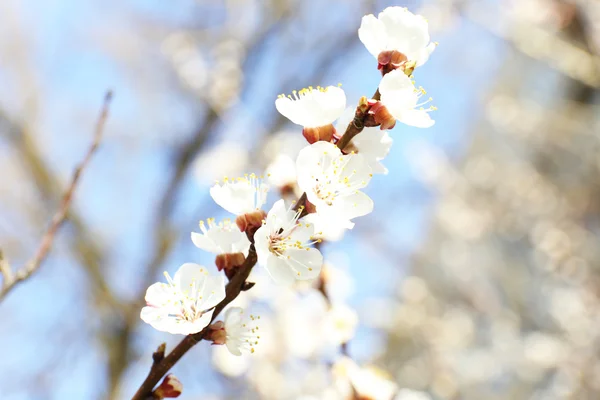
[(283, 246), (332, 182), (241, 331), (314, 109), (185, 304), (401, 98), (372, 143), (397, 29), (240, 195)]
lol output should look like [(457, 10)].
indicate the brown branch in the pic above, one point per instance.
[(10, 279), (160, 368)]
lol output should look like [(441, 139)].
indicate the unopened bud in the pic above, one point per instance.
[(382, 116), (216, 333), (251, 220), (390, 60), (321, 133), (409, 67), (230, 260), (363, 104), (170, 387)]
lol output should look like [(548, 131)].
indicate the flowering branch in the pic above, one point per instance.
[(10, 278), (165, 363), (330, 173)]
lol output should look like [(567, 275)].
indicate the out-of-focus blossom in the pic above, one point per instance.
[(283, 246), (368, 382), (340, 323), (409, 394), (282, 171), (184, 304), (225, 159), (401, 98)]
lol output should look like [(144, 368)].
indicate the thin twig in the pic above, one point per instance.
[(10, 280)]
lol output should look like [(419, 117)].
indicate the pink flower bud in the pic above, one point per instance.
[(216, 333), (229, 260), (390, 60), (321, 133), (382, 116), (250, 221), (170, 387)]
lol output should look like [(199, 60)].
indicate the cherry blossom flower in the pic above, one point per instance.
[(374, 144), (240, 195), (185, 304), (221, 238), (397, 29), (401, 98), (283, 246), (241, 331), (314, 109), (332, 181)]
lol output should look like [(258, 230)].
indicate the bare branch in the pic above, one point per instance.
[(10, 280)]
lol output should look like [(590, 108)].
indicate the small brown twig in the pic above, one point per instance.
[(10, 279)]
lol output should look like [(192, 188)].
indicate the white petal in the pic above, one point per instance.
[(416, 118), (406, 32), (303, 232), (213, 291), (372, 34), (313, 107), (357, 171), (204, 243), (158, 294), (188, 275), (311, 162), (261, 244), (279, 270), (306, 263), (354, 205), (277, 215)]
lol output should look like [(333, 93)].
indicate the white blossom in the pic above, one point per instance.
[(398, 29), (222, 238), (282, 246), (281, 171), (401, 98), (185, 304), (332, 181), (241, 331), (313, 108), (240, 195), (373, 143)]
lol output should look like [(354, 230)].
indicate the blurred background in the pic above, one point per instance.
[(476, 277)]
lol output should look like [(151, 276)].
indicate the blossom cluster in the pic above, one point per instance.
[(345, 148)]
